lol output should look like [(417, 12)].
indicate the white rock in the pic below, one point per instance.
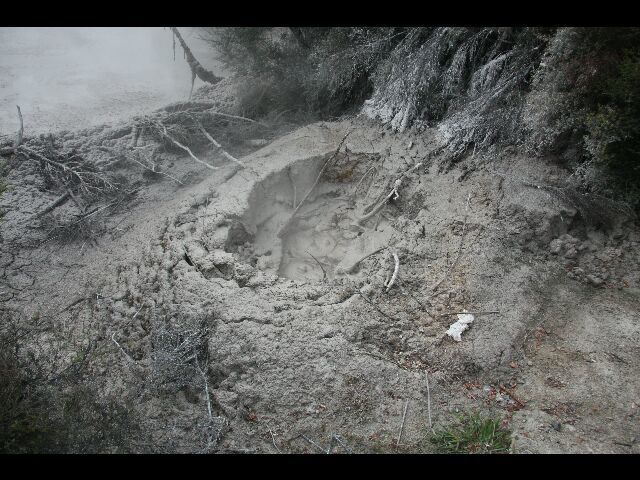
[(456, 329)]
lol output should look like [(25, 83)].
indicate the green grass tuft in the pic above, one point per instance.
[(474, 434)]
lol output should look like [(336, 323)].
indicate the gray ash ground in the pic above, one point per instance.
[(289, 353)]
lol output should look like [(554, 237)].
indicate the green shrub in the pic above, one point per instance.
[(613, 130)]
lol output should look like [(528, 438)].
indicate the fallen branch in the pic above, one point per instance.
[(197, 70), (217, 145), (55, 204), (186, 149)]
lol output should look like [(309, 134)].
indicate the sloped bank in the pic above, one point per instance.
[(294, 352)]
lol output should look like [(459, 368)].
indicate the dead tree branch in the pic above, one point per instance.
[(197, 70), (217, 145), (186, 149)]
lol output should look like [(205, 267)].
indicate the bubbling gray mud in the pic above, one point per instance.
[(320, 239)]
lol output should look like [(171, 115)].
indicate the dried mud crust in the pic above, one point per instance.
[(294, 352)]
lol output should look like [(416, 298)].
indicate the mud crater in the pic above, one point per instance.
[(323, 234)]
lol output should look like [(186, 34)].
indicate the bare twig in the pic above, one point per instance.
[(186, 149), (206, 386), (455, 262), (473, 313), (404, 416), (393, 193), (361, 259), (429, 402), (337, 438), (53, 205), (310, 442), (375, 306), (217, 145), (284, 229), (395, 270), (324, 273), (273, 439), (113, 338)]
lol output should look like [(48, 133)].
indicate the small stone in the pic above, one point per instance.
[(571, 253), (594, 280)]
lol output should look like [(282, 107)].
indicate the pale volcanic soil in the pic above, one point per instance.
[(299, 343)]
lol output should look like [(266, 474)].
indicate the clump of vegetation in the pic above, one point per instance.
[(613, 138), (48, 404), (474, 433)]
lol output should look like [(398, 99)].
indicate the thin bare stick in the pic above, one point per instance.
[(404, 416), (311, 442), (217, 145), (361, 259), (20, 134), (393, 193), (429, 403), (136, 314), (157, 171), (455, 262), (342, 444), (382, 203), (186, 149), (363, 177), (375, 306), (324, 273), (395, 270), (206, 387), (113, 338), (273, 439), (490, 312), (283, 229), (235, 117), (56, 203)]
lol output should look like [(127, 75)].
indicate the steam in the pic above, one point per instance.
[(66, 78)]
